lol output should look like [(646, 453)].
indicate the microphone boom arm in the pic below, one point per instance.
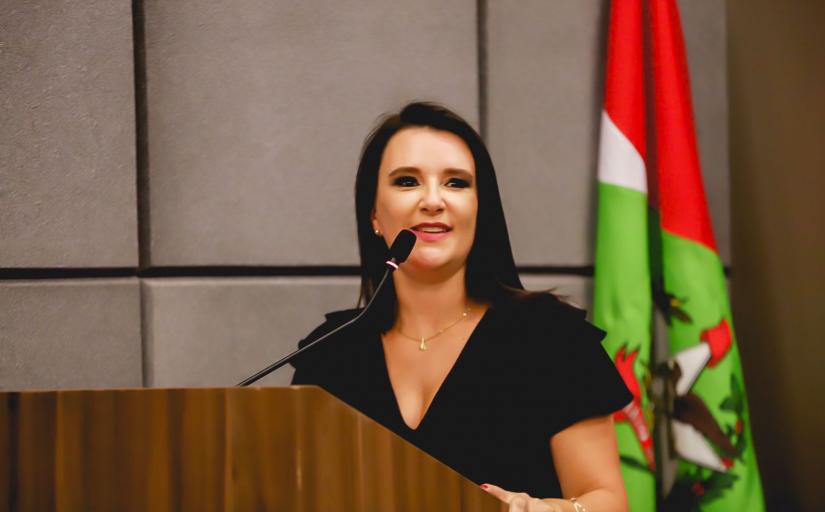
[(401, 248), (284, 360)]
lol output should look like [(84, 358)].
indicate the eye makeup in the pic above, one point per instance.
[(410, 181), (455, 178), (405, 181), (458, 183)]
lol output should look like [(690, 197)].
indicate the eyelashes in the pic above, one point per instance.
[(458, 183), (405, 181), (411, 181)]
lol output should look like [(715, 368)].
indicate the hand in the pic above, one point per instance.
[(520, 501)]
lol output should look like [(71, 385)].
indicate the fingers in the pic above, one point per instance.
[(498, 492), (518, 501)]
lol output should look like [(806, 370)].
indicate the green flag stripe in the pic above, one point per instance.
[(622, 275), (622, 307)]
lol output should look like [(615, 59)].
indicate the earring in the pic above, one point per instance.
[(377, 233)]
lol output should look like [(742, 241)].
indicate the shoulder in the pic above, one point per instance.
[(549, 321), (544, 307), (546, 302)]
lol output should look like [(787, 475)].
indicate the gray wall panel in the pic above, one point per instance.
[(257, 111), (79, 333), (67, 136), (543, 104), (545, 94), (216, 332)]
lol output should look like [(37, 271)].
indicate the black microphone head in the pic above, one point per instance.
[(402, 246)]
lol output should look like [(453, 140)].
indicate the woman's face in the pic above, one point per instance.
[(427, 183)]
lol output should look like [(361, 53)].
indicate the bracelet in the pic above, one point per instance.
[(578, 507)]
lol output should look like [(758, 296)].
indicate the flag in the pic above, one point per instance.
[(710, 426), (622, 301)]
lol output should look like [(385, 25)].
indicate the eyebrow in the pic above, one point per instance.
[(450, 171)]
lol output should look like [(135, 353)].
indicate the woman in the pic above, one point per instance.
[(511, 389)]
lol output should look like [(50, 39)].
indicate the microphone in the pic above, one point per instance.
[(401, 248)]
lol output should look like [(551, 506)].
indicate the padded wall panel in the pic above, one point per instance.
[(257, 111), (216, 332), (74, 333), (67, 135), (544, 101)]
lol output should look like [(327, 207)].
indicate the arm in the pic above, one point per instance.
[(587, 462)]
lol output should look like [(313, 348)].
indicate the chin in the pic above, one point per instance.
[(426, 263), (429, 263)]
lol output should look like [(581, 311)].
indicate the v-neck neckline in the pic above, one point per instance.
[(394, 398)]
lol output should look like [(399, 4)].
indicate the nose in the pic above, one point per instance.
[(433, 200)]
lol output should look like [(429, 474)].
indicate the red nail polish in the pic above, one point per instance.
[(484, 486)]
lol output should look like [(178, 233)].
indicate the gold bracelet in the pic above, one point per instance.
[(578, 507)]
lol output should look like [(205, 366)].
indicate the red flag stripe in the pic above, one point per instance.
[(682, 203), (624, 97)]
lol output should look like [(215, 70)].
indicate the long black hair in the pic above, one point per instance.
[(491, 274)]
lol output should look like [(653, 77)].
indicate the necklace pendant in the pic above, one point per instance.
[(423, 345)]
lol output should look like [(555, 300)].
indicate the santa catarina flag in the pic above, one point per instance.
[(622, 292), (709, 425)]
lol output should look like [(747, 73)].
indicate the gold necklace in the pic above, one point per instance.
[(424, 339)]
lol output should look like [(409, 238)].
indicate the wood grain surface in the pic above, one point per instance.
[(236, 449)]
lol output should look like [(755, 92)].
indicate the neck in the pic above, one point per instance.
[(426, 306)]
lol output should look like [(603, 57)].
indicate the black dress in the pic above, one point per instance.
[(528, 370)]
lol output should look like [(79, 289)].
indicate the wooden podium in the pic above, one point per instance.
[(236, 449)]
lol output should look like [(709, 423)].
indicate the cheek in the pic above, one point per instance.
[(469, 211), (391, 211)]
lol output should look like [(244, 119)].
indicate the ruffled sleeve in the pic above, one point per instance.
[(574, 377)]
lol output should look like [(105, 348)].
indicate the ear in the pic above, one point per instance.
[(374, 221)]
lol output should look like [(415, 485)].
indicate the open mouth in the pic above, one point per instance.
[(431, 231), (432, 228)]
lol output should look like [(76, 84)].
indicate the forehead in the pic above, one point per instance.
[(427, 149)]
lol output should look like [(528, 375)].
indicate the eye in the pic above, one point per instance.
[(458, 183), (405, 181)]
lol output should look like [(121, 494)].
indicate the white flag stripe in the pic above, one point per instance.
[(619, 162)]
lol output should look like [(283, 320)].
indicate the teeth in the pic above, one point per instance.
[(432, 230)]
